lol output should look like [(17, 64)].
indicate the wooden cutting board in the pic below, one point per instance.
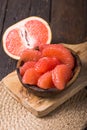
[(42, 106)]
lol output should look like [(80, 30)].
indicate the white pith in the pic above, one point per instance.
[(26, 38), (20, 25)]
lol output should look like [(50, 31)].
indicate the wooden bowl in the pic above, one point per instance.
[(52, 91)]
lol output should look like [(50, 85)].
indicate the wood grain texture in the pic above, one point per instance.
[(3, 5), (69, 21), (42, 106), (41, 8)]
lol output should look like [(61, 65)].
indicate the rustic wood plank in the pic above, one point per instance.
[(69, 21), (42, 106), (16, 10), (3, 10), (3, 5), (20, 9), (41, 8)]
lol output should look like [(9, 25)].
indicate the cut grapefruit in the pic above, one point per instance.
[(28, 33)]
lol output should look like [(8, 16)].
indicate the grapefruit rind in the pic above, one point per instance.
[(20, 25)]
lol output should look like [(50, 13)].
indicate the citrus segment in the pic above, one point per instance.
[(43, 46), (45, 64), (27, 65), (61, 74), (28, 33), (45, 81), (61, 53), (30, 55), (30, 77)]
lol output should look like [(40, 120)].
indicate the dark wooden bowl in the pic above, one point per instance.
[(52, 91)]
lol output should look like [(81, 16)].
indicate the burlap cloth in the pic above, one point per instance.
[(72, 115)]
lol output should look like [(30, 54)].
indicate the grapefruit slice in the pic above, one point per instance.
[(61, 74), (28, 33), (45, 64), (30, 55), (45, 80), (27, 65), (59, 51), (30, 76)]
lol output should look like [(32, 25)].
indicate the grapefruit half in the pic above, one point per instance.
[(28, 33)]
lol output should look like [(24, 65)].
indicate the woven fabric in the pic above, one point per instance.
[(72, 115)]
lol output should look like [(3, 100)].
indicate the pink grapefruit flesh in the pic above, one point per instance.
[(61, 74), (45, 81), (30, 76), (61, 53), (28, 33), (45, 64), (53, 66), (30, 55), (27, 65)]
